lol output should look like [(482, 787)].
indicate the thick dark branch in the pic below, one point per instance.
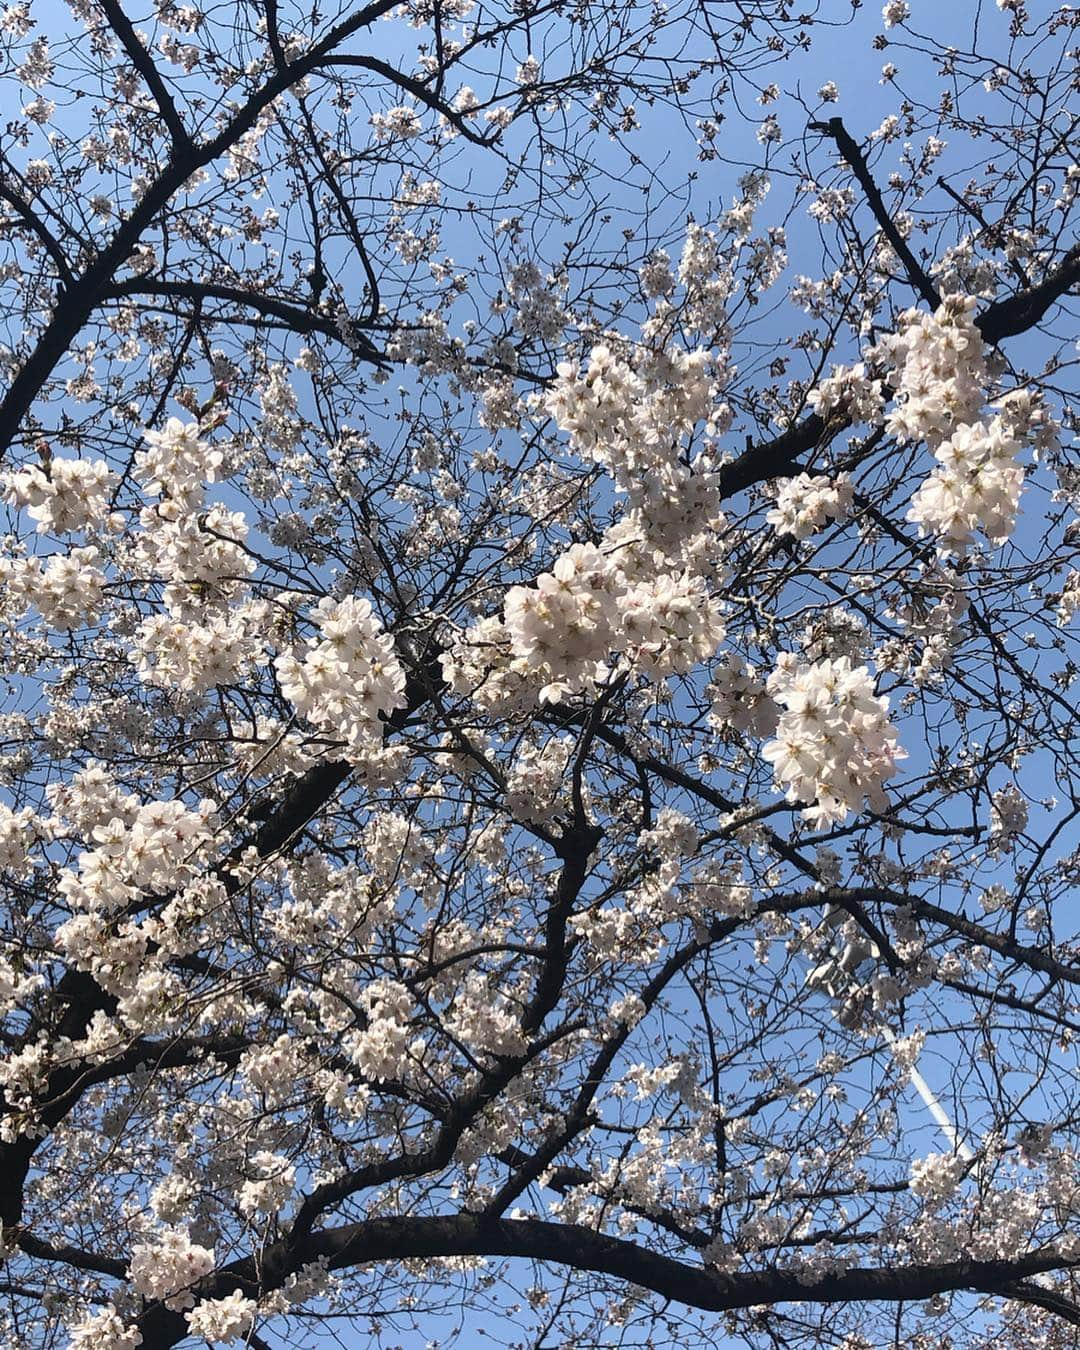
[(777, 457), (296, 317), (856, 161), (581, 1249), (1021, 312), (1050, 1299), (424, 1161), (575, 849), (37, 226), (144, 63), (69, 1256), (66, 1086), (1035, 958), (1002, 999), (413, 86), (1005, 318)]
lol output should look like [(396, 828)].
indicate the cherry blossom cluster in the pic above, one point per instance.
[(485, 1018), (196, 656), (894, 12), (396, 848), (16, 984), (564, 630), (834, 742), (479, 664), (176, 464), (348, 677), (935, 1178), (117, 955), (61, 495), (850, 390), (632, 413), (938, 370), (670, 624), (270, 1188), (222, 1320), (200, 556), (598, 602), (67, 589), (90, 797), (156, 847), (976, 487), (623, 412), (273, 1069), (740, 699), (934, 612), (1008, 816), (104, 1330), (535, 778), (806, 503), (1026, 417), (672, 836), (168, 1265), (19, 832), (657, 278), (704, 269), (1069, 599), (537, 311), (380, 1050), (399, 123), (714, 888)]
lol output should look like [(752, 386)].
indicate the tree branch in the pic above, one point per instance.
[(413, 86), (1049, 1299), (85, 294), (144, 64), (408, 1238), (856, 161), (296, 317), (1020, 312), (36, 226)]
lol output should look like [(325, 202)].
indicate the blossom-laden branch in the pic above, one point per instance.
[(376, 1240), (80, 299), (856, 161)]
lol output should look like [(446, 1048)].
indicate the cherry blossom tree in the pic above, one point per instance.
[(538, 785)]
